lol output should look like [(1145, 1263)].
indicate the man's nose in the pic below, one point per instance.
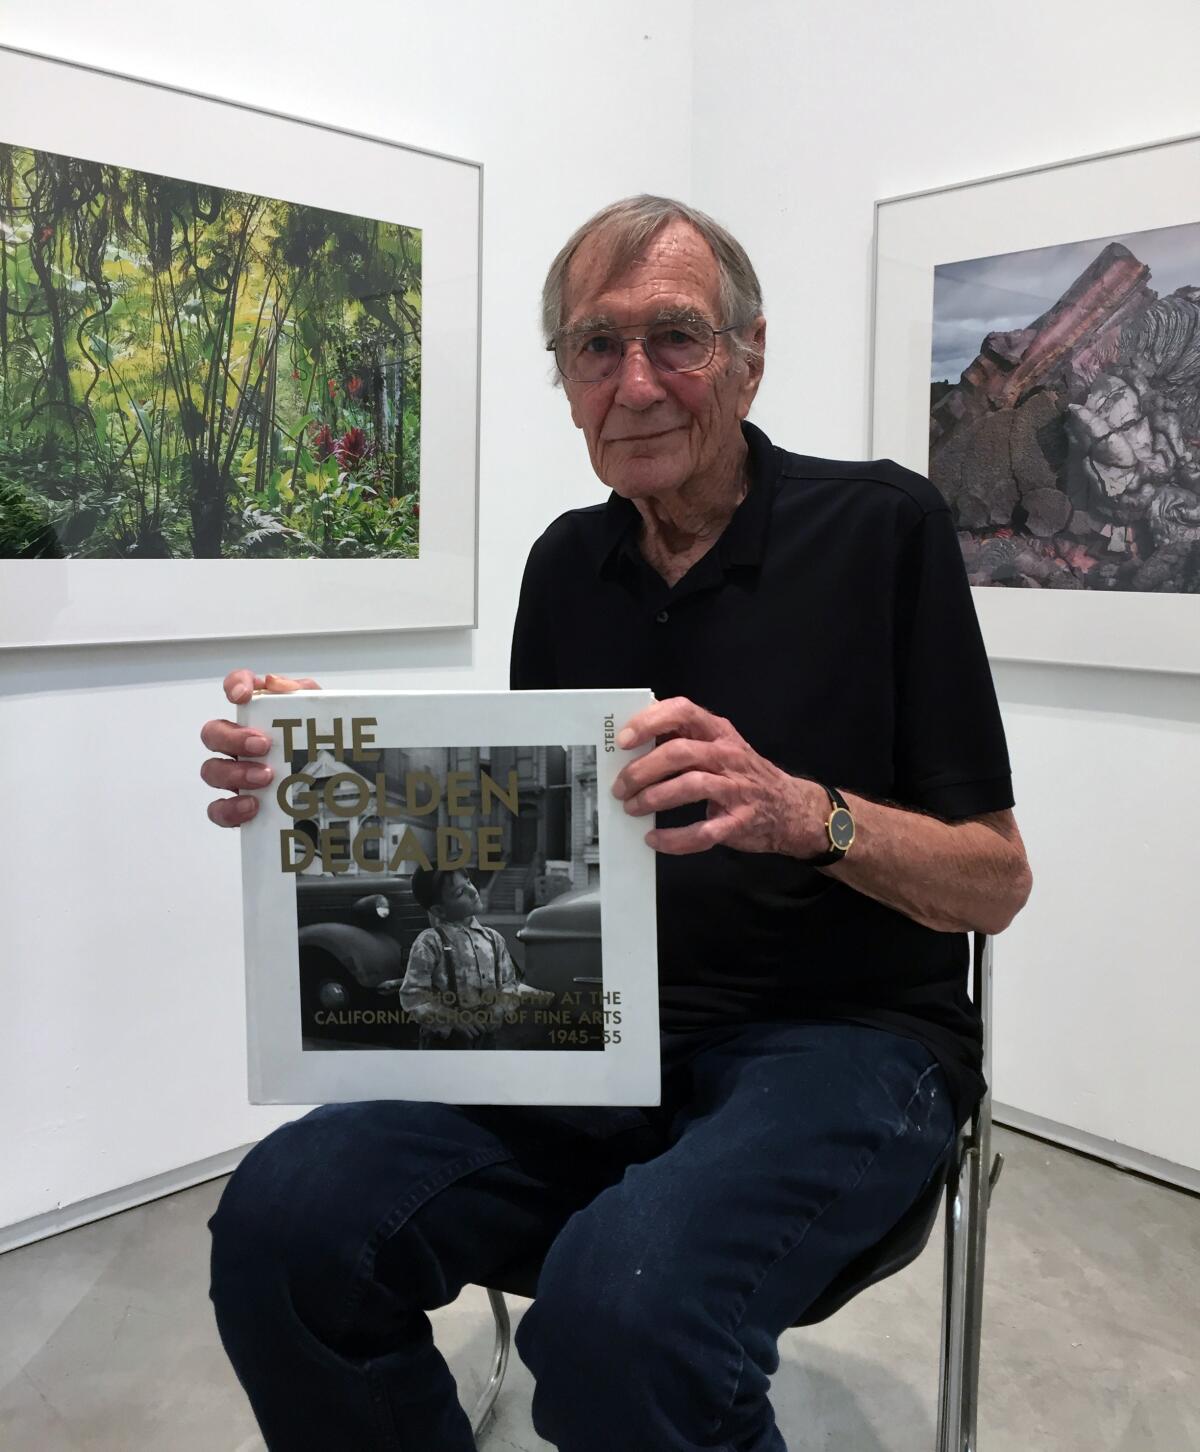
[(638, 383)]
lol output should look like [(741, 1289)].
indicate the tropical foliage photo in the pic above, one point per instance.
[(190, 372)]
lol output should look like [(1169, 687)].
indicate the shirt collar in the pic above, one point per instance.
[(452, 926), (743, 540)]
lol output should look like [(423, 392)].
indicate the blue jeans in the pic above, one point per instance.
[(679, 1243)]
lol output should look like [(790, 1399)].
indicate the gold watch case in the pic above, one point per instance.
[(840, 827)]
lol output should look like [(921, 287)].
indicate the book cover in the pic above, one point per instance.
[(444, 901)]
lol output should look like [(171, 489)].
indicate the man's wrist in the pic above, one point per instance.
[(808, 812), (829, 832)]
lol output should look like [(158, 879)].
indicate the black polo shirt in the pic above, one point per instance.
[(832, 624)]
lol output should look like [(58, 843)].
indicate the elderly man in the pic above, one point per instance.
[(832, 796)]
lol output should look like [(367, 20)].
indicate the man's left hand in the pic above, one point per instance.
[(753, 806)]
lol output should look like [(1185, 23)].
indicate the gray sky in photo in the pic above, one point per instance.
[(989, 294)]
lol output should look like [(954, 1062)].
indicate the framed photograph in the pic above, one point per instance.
[(1036, 353), (443, 900), (239, 369)]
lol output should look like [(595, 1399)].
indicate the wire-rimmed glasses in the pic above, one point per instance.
[(681, 345)]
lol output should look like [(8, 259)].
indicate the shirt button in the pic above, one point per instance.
[(662, 617)]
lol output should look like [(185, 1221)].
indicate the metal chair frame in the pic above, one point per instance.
[(968, 1193)]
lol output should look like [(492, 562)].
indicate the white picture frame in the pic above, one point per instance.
[(53, 105), (1104, 195), (284, 1066)]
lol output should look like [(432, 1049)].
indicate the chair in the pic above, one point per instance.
[(966, 1187)]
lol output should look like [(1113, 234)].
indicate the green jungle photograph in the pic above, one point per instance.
[(193, 373)]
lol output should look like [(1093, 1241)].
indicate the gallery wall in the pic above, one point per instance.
[(122, 1053), (804, 116)]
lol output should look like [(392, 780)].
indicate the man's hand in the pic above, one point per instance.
[(235, 740), (954, 877), (753, 806), (464, 1022)]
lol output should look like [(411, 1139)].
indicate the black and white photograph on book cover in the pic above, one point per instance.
[(448, 898)]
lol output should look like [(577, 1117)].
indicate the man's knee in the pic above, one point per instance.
[(262, 1241), (308, 1210), (615, 1317), (290, 1227)]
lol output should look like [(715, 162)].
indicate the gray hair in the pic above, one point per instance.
[(627, 227)]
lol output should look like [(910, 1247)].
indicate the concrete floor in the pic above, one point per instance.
[(1091, 1333)]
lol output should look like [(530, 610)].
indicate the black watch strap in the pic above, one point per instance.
[(839, 828)]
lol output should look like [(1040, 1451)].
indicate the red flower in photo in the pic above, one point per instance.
[(321, 441), (352, 448), (332, 385), (354, 385)]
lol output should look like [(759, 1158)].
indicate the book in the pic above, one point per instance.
[(444, 901)]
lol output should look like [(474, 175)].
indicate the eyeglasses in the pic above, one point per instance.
[(590, 355)]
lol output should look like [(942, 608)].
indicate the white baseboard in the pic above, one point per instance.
[(96, 1207), (1123, 1156)]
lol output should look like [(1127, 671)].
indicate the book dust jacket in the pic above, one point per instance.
[(444, 901)]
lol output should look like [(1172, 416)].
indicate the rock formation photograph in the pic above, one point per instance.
[(1065, 412)]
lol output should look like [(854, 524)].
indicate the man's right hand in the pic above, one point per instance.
[(244, 777)]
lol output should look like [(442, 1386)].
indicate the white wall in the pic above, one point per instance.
[(122, 1041), (805, 115)]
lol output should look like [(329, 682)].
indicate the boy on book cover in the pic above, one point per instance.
[(460, 981)]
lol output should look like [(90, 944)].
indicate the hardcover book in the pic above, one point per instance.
[(444, 901)]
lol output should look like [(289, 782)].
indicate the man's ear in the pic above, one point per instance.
[(754, 366)]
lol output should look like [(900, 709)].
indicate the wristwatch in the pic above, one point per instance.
[(840, 828)]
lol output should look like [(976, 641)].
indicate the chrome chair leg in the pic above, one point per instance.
[(979, 1190), (967, 1198), (487, 1397), (973, 1311), (954, 1308)]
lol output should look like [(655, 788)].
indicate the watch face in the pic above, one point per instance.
[(841, 828)]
